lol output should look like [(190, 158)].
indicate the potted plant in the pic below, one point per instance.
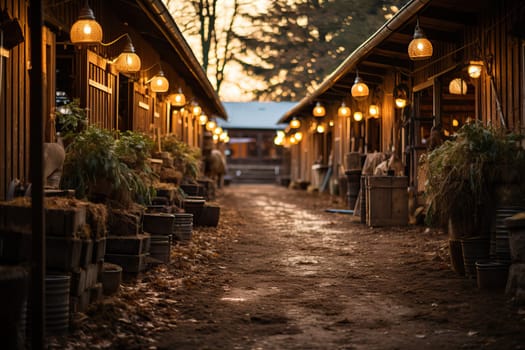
[(465, 178), (463, 173), (70, 119), (185, 157), (134, 150), (97, 167)]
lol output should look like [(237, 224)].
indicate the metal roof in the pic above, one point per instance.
[(254, 115)]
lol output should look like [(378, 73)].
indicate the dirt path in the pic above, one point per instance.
[(296, 277)]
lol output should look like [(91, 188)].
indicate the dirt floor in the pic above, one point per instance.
[(281, 273)]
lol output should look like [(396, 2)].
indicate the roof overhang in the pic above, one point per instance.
[(386, 49)]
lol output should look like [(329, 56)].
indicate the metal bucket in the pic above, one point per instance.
[(57, 303), (160, 248), (474, 249), (353, 185)]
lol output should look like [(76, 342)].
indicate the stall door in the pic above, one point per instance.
[(101, 98)]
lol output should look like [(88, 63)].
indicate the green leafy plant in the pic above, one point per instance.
[(96, 166), (186, 157), (70, 119), (464, 171), (133, 149)]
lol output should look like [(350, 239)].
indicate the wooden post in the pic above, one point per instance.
[(37, 179)]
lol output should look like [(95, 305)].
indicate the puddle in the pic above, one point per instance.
[(239, 295)]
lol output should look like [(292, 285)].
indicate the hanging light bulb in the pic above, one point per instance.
[(400, 102), (458, 86), (343, 111), (298, 136), (217, 130), (321, 128), (86, 30), (401, 95), (196, 110), (474, 69), (203, 119), (210, 125), (177, 99), (295, 123), (358, 116), (373, 110), (319, 110), (128, 61), (420, 47), (159, 83), (359, 90)]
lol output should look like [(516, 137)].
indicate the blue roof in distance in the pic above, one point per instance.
[(254, 115)]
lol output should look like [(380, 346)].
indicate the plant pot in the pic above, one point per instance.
[(456, 256), (492, 274), (111, 278), (474, 249), (209, 216)]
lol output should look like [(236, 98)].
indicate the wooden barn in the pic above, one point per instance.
[(475, 70), (90, 71)]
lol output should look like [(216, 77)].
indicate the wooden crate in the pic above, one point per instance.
[(387, 201)]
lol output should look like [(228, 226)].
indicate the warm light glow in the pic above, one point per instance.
[(159, 83), (217, 130), (298, 136), (223, 136), (331, 123), (343, 111), (400, 102), (177, 99), (203, 119), (319, 110), (128, 62), (474, 69), (358, 116), (86, 30), (293, 140), (215, 138), (210, 125), (295, 123), (359, 90), (373, 110), (279, 138), (420, 48), (321, 128), (458, 86), (196, 110), (455, 123)]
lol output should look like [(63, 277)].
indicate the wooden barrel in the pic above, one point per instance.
[(352, 186)]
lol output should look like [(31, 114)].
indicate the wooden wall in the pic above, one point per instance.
[(14, 103), (501, 40)]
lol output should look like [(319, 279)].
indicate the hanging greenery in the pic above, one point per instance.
[(463, 173)]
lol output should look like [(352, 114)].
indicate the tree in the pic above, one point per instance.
[(213, 30), (282, 47), (298, 44)]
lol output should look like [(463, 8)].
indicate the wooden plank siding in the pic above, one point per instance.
[(14, 104), (503, 50), (101, 92)]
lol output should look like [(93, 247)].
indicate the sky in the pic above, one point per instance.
[(236, 85)]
